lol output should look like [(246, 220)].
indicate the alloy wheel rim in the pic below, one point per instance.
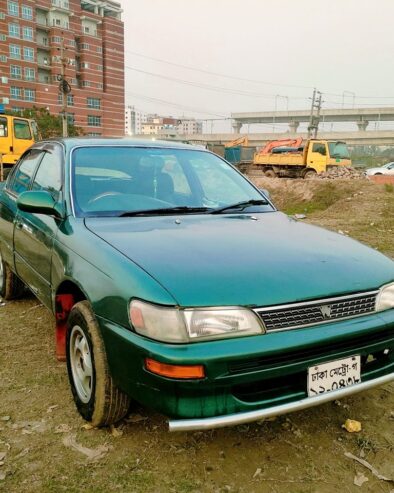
[(81, 364)]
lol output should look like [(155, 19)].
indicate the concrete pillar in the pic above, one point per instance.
[(293, 126), (362, 125), (236, 127)]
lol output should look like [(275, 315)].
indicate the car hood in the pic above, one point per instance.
[(205, 260)]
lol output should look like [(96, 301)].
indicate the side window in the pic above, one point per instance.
[(49, 174), (22, 129), (3, 127), (320, 148), (24, 172)]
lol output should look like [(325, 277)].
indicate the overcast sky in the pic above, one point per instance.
[(341, 47)]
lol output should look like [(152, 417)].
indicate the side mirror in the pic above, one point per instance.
[(265, 192), (39, 202)]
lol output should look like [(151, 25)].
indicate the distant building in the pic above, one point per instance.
[(169, 126), (91, 32), (134, 119)]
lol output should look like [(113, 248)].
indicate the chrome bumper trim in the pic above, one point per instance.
[(249, 416)]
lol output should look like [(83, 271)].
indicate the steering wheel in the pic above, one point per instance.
[(103, 195)]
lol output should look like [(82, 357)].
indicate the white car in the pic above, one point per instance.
[(386, 169)]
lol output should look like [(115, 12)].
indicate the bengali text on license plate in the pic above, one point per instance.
[(334, 375)]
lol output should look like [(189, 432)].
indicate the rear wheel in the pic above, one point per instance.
[(11, 286), (96, 396), (270, 173)]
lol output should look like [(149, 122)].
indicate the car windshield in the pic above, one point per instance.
[(338, 150), (116, 180)]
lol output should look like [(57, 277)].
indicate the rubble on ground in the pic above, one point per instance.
[(341, 172)]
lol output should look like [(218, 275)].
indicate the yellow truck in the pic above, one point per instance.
[(16, 135), (294, 158)]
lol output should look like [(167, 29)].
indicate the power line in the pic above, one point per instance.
[(209, 86), (217, 74)]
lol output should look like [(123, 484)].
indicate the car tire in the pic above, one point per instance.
[(98, 399), (376, 174), (11, 286), (270, 173)]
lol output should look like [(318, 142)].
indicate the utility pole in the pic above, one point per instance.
[(64, 88), (315, 114)]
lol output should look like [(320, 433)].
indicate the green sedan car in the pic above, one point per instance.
[(176, 283)]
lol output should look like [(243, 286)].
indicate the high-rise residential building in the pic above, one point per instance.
[(90, 34), (134, 119)]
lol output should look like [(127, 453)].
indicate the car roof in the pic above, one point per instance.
[(72, 142)]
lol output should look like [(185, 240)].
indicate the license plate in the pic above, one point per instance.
[(334, 375)]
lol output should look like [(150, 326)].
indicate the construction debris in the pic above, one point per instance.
[(340, 172)]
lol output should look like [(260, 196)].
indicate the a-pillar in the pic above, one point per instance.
[(362, 125), (293, 126), (237, 127)]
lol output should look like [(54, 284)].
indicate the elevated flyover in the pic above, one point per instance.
[(359, 116), (361, 138)]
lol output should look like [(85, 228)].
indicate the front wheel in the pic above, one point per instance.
[(11, 286), (96, 396), (309, 173)]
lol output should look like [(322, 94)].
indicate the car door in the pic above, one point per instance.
[(22, 136), (317, 156), (34, 234), (18, 181)]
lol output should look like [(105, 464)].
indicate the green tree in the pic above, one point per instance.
[(48, 124)]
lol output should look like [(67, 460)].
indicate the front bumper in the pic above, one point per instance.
[(248, 378)]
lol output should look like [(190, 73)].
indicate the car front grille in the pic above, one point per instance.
[(295, 315)]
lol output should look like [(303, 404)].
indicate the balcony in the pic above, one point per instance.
[(61, 6)]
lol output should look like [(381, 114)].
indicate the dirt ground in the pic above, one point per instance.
[(41, 434)]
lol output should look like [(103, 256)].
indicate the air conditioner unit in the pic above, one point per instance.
[(4, 80)]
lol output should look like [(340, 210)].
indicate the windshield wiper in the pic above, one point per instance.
[(167, 210), (240, 205)]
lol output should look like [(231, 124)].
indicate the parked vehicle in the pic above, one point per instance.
[(174, 281), (386, 169), (293, 158), (16, 135)]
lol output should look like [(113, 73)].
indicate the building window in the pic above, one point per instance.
[(93, 134), (94, 121), (15, 52), (86, 30), (84, 46), (30, 95), (100, 68), (99, 85), (72, 42), (56, 39), (15, 72), (85, 83), (13, 9), (3, 58), (3, 37), (70, 118), (94, 103), (28, 33), (99, 49), (30, 73), (70, 99), (27, 13), (13, 30), (16, 92), (28, 54), (84, 65)]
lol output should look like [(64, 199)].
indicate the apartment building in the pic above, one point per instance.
[(169, 126), (90, 34), (134, 119)]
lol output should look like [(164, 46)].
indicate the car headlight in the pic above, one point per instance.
[(169, 324), (385, 298)]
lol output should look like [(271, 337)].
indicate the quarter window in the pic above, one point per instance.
[(24, 172)]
